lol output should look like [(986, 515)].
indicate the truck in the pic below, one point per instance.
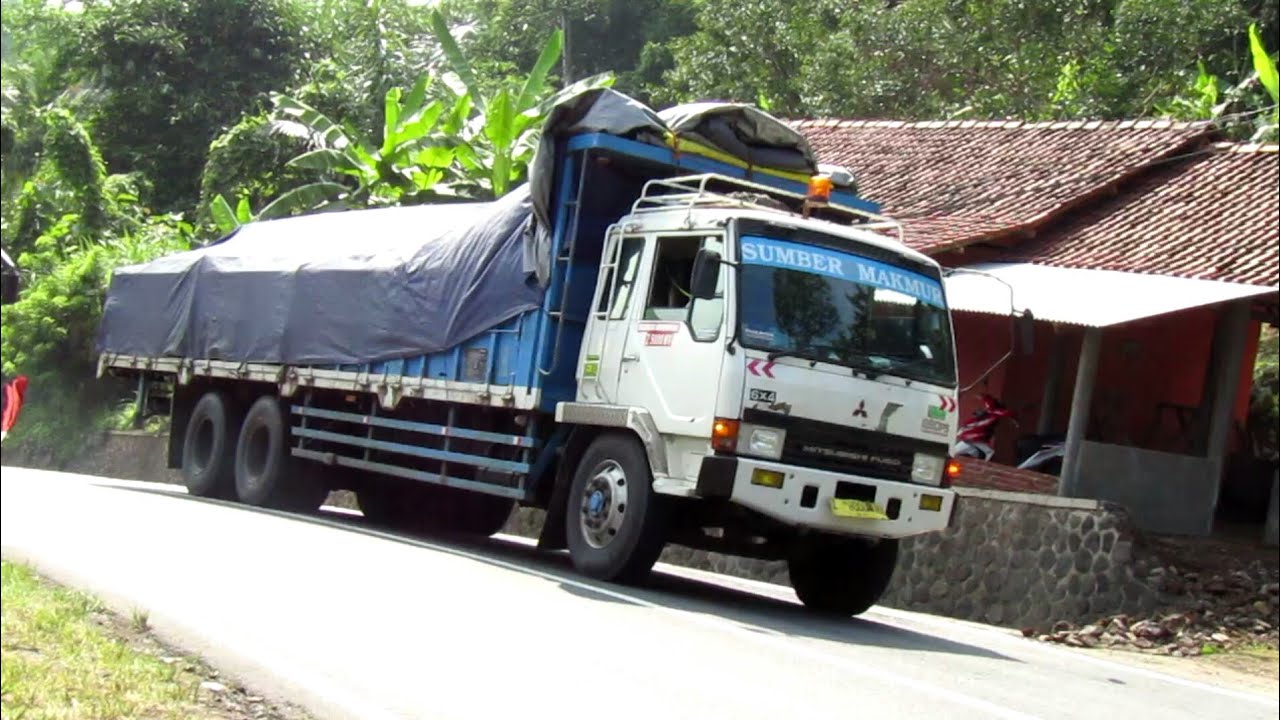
[(695, 348)]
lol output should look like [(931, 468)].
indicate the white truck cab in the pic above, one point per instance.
[(799, 370)]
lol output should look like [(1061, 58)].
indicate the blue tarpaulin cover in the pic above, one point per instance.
[(341, 287)]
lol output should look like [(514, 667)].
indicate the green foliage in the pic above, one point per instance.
[(406, 166), (630, 38), (944, 58), (1264, 68), (1264, 401), (475, 142), (50, 333), (176, 72), (250, 162), (1252, 101), (1202, 101), (498, 143), (226, 219), (68, 178), (360, 49)]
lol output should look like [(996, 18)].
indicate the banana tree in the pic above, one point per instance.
[(1264, 67), (227, 219), (498, 142), (411, 163)]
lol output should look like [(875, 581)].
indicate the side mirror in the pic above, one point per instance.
[(706, 274), (1027, 332)]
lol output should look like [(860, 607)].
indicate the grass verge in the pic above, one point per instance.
[(65, 656), (1254, 659)]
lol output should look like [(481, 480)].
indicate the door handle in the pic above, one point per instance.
[(629, 357)]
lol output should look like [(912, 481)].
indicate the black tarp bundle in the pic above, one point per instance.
[(10, 281), (369, 285)]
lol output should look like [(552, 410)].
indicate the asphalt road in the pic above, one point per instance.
[(354, 623)]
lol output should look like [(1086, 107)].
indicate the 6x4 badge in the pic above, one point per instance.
[(764, 396)]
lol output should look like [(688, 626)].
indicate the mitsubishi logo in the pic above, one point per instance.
[(861, 410)]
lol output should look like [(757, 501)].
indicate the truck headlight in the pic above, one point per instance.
[(765, 442), (927, 468)]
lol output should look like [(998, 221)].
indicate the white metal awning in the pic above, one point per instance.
[(1093, 298)]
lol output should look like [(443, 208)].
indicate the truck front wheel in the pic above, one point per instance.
[(209, 447), (267, 475), (841, 576), (614, 521)]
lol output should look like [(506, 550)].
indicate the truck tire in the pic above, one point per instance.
[(614, 522), (266, 474), (209, 447), (841, 576)]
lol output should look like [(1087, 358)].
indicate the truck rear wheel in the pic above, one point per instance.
[(614, 521), (841, 576), (209, 447), (266, 474)]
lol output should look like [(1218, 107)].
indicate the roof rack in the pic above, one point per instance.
[(692, 191)]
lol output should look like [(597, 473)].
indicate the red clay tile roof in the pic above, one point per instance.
[(959, 182), (1214, 216)]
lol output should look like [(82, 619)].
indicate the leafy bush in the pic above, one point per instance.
[(1264, 402), (250, 161), (176, 73), (50, 333)]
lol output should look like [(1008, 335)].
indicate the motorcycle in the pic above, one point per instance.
[(1041, 453), (974, 438)]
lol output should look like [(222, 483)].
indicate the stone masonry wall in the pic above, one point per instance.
[(1013, 559), (1026, 562)]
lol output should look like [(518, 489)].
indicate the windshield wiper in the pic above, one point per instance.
[(811, 353), (901, 363)]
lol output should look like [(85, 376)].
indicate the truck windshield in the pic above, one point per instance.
[(825, 305)]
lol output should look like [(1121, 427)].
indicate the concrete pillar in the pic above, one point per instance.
[(1081, 399), (1271, 534), (1231, 341), (1053, 383)]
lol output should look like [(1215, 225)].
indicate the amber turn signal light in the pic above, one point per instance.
[(952, 469), (724, 435)]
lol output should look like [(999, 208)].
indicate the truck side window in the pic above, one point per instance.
[(669, 297), (616, 298)]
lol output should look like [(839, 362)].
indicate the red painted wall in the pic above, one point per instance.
[(1140, 366)]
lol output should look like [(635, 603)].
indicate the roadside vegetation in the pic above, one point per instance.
[(65, 656), (135, 128)]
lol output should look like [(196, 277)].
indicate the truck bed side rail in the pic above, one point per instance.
[(398, 447), (390, 388)]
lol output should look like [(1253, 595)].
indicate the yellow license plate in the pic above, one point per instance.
[(862, 509)]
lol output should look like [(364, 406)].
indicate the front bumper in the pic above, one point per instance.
[(804, 500)]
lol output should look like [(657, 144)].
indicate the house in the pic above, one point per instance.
[(1145, 251)]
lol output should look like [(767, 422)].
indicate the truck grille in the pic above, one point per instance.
[(826, 446)]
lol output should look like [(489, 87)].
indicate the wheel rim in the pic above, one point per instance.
[(202, 444), (257, 453), (604, 504)]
